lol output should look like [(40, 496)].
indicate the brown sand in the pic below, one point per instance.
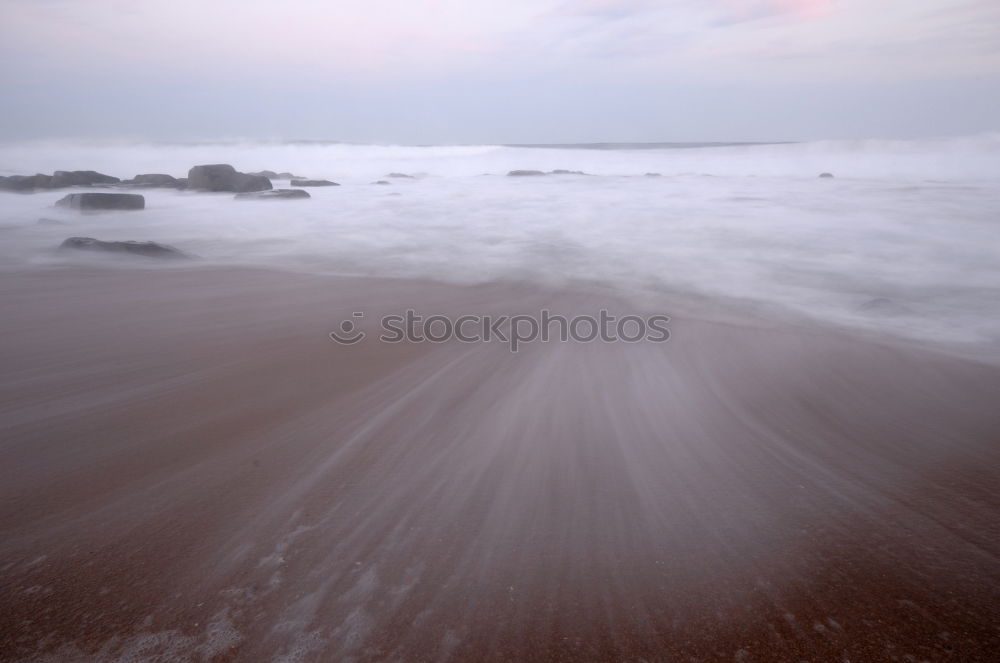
[(191, 469)]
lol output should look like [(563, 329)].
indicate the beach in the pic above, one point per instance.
[(192, 469)]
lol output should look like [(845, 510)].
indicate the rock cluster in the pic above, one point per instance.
[(57, 180), (207, 177)]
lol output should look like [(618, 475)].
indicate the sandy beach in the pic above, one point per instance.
[(191, 469)]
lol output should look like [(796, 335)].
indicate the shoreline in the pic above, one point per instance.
[(192, 468)]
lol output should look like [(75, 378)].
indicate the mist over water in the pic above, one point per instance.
[(916, 223)]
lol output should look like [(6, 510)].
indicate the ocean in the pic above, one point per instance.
[(905, 239)]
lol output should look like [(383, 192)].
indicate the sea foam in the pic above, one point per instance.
[(905, 238)]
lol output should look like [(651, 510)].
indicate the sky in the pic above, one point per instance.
[(499, 71)]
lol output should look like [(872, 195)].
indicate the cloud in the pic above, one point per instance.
[(566, 52)]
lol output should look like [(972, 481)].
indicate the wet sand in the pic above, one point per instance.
[(190, 468)]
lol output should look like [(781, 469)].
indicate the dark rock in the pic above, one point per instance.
[(103, 201), (382, 182), (223, 177), (524, 173), (61, 179), (64, 178), (26, 182), (826, 175), (274, 194), (153, 180), (247, 183), (560, 171), (313, 183), (213, 177), (147, 249), (401, 175)]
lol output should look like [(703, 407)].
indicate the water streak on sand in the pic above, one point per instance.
[(201, 474)]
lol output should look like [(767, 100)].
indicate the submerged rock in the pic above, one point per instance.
[(653, 175), (401, 175), (524, 173), (146, 249), (826, 175), (561, 171), (223, 177), (382, 182), (103, 201), (271, 175), (313, 183), (274, 194)]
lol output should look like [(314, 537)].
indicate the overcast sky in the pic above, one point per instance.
[(486, 71)]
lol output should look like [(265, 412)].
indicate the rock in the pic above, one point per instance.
[(213, 177), (103, 201), (64, 178), (524, 173), (274, 194), (247, 183), (59, 180), (653, 175), (560, 171), (826, 175), (382, 182), (153, 180), (223, 177), (146, 249), (26, 182), (313, 183), (401, 175)]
